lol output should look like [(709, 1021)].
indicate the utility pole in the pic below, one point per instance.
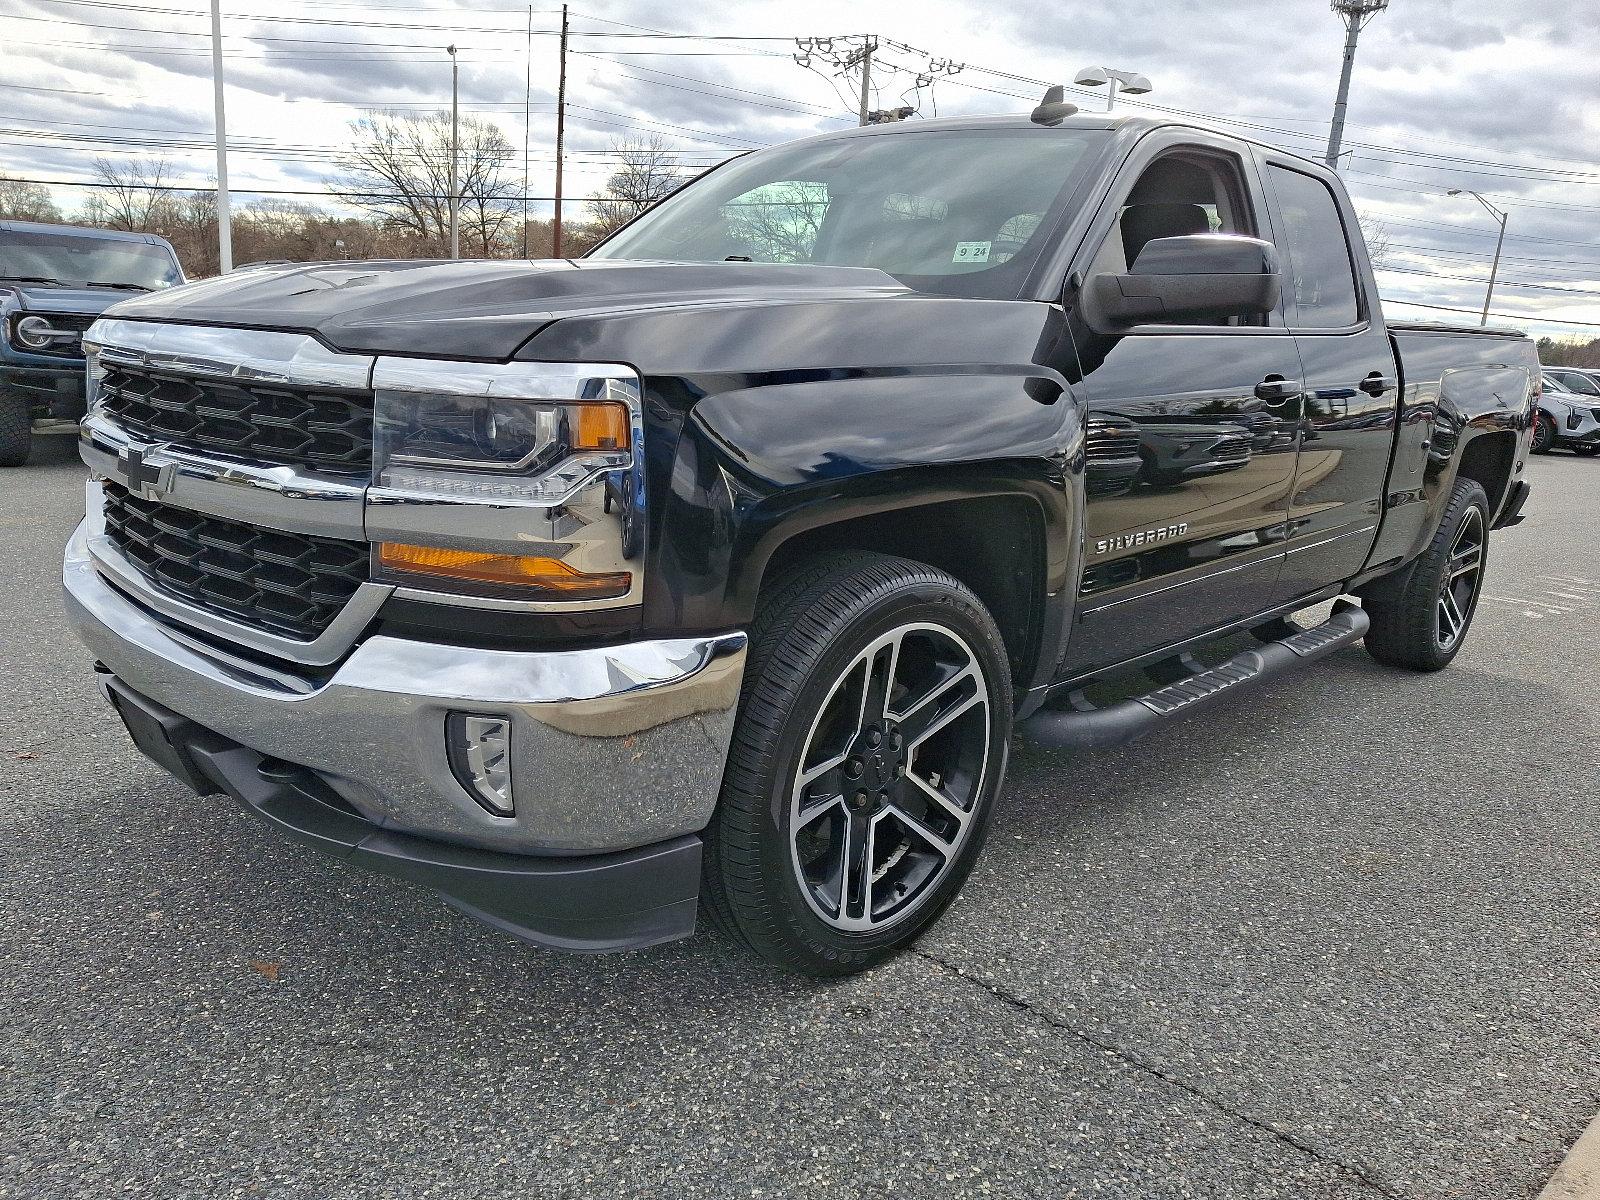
[(527, 127), (1355, 14), (561, 135), (1494, 267), (836, 63), (224, 218), (455, 151), (864, 57)]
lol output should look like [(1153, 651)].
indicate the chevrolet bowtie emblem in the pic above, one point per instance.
[(145, 480)]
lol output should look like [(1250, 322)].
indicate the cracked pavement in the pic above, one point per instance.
[(1337, 939)]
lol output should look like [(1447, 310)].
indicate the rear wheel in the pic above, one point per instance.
[(1421, 614), (16, 431), (870, 745)]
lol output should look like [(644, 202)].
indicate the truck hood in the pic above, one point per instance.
[(43, 297), (482, 310)]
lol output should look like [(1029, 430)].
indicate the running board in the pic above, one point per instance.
[(1086, 728)]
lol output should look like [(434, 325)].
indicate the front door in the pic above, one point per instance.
[(1191, 438)]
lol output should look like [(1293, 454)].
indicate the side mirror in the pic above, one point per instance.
[(1214, 275)]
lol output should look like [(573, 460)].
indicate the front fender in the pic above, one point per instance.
[(766, 462)]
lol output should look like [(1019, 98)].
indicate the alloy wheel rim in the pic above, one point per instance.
[(886, 790), (1458, 593)]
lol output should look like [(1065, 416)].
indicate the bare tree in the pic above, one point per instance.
[(21, 201), (1376, 234), (131, 194), (779, 222), (398, 170), (648, 172)]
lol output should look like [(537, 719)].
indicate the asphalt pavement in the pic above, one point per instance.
[(1340, 939)]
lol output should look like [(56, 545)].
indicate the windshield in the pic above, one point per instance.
[(76, 260), (962, 211), (1574, 382)]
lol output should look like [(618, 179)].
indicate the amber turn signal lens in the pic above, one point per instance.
[(517, 570), (601, 427)]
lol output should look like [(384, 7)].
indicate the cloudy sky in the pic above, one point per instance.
[(1499, 97)]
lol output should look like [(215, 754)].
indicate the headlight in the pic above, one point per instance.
[(518, 482), (36, 333)]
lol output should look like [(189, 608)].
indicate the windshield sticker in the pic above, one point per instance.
[(971, 252)]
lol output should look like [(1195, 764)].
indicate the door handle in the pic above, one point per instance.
[(1276, 390), (1375, 384)]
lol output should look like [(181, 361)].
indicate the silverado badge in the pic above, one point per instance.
[(1145, 537)]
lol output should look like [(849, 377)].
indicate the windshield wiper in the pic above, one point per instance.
[(29, 279), (138, 287)]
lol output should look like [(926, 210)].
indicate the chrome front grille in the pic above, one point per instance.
[(323, 429), (289, 584)]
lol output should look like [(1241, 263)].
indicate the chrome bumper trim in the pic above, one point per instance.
[(272, 497), (613, 747)]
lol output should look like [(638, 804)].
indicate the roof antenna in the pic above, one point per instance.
[(1053, 109)]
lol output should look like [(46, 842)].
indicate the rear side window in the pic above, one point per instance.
[(1321, 275)]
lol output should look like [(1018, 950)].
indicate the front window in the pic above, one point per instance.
[(86, 261), (964, 212)]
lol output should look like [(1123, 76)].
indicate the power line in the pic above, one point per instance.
[(1504, 316), (206, 187)]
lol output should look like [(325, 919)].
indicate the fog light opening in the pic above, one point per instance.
[(480, 757)]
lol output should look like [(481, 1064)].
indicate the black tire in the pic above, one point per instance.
[(16, 431), (1544, 433), (1414, 625), (812, 644)]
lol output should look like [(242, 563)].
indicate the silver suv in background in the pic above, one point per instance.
[(1568, 415)]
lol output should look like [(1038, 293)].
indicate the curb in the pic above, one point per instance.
[(1578, 1175)]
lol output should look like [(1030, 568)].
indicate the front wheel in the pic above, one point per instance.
[(1421, 614), (869, 749), (1544, 433), (16, 431)]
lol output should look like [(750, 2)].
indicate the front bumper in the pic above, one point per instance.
[(589, 903), (613, 748), (52, 392)]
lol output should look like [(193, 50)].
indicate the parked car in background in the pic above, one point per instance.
[(1568, 416), (54, 281)]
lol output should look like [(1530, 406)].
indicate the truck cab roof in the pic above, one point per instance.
[(1131, 125)]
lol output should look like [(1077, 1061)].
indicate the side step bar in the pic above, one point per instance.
[(1087, 728)]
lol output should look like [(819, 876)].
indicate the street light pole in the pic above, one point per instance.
[(224, 217), (455, 152), (1355, 14), (1494, 266), (1114, 81)]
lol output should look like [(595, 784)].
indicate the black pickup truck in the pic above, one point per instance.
[(717, 569)]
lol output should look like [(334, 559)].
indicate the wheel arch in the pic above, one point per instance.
[(996, 545), (1490, 459)]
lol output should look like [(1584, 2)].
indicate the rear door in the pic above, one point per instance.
[(1352, 399), (1191, 427)]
